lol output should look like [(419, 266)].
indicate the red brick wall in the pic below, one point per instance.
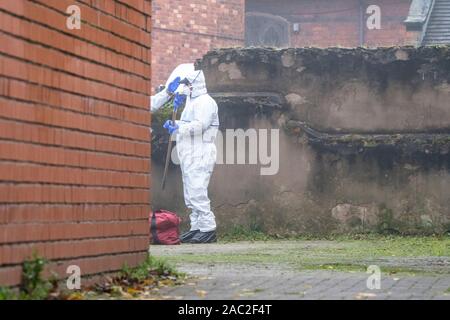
[(74, 135), (184, 31), (325, 23)]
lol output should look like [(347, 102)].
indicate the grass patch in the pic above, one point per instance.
[(239, 233), (337, 267), (348, 253), (7, 294), (349, 267)]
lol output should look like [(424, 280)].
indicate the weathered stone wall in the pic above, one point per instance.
[(364, 139)]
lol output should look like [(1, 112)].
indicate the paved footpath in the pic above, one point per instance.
[(247, 280)]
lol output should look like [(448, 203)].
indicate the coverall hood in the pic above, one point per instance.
[(182, 71), (198, 82)]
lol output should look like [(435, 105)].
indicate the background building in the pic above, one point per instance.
[(322, 23), (184, 31)]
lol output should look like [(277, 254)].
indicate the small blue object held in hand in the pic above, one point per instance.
[(173, 86), (179, 100), (170, 126)]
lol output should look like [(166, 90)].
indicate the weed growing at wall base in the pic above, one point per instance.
[(33, 285)]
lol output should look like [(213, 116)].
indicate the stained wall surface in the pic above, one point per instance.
[(363, 139)]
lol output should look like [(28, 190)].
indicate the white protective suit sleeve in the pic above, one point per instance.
[(158, 100)]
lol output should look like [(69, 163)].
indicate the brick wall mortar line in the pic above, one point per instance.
[(90, 5), (67, 53), (69, 128), (59, 107), (199, 34), (74, 130), (88, 152), (81, 240), (75, 93), (3, 160), (55, 107), (74, 148), (52, 165), (132, 8), (90, 24), (73, 36), (61, 260), (70, 185), (80, 76), (75, 222), (138, 94)]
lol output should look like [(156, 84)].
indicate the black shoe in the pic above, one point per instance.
[(204, 237), (187, 236)]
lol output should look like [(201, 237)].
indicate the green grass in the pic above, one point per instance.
[(255, 233), (239, 233), (349, 253), (359, 267), (7, 294)]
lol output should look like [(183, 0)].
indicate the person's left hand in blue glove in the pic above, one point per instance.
[(173, 86), (170, 126), (179, 100)]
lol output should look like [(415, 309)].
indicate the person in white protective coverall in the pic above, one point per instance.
[(195, 135)]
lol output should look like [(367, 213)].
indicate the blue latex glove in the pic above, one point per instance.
[(171, 127), (173, 86), (179, 100)]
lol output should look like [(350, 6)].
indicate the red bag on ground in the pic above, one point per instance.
[(164, 228)]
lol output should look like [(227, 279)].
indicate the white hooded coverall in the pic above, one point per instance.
[(196, 147), (196, 150)]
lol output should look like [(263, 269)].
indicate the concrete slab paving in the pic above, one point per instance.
[(239, 280)]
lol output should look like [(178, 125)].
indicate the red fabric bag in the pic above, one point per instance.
[(164, 228)]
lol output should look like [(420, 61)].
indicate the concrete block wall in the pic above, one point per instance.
[(74, 135)]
